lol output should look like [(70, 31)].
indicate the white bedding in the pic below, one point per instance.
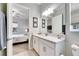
[(19, 38)]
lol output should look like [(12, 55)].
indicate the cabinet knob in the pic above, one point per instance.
[(44, 49), (74, 49)]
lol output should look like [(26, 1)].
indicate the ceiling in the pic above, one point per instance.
[(22, 8), (46, 6), (74, 6), (20, 12)]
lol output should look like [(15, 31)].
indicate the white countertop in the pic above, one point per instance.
[(18, 35), (49, 38)]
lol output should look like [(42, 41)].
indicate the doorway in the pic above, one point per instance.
[(18, 28)]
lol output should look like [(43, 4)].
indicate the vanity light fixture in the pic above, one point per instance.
[(47, 12), (26, 30)]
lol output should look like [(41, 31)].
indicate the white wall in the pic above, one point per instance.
[(60, 10), (34, 11), (21, 18), (22, 25)]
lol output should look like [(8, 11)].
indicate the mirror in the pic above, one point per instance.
[(74, 22), (43, 23), (49, 25), (56, 20), (35, 22)]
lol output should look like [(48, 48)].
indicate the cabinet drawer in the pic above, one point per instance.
[(50, 44)]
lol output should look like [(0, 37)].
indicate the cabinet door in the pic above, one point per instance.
[(45, 50), (35, 43), (41, 49), (48, 51)]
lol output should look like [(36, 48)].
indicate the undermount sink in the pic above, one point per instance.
[(56, 36), (43, 34)]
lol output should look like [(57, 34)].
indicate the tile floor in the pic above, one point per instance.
[(22, 50)]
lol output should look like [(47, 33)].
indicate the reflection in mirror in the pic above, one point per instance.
[(49, 25), (56, 20), (74, 17)]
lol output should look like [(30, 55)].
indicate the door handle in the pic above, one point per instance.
[(44, 49)]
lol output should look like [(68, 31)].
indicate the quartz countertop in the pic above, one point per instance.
[(51, 38)]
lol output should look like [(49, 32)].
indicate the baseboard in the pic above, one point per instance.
[(36, 52), (20, 42)]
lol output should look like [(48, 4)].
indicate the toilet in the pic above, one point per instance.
[(75, 49)]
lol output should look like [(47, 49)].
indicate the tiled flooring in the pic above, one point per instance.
[(22, 50)]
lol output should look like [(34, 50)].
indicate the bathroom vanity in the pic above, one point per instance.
[(48, 45)]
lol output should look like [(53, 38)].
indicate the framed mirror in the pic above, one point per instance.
[(43, 23), (35, 22), (74, 22)]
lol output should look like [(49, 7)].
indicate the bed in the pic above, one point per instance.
[(20, 38)]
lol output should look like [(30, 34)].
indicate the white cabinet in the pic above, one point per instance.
[(47, 48), (35, 43)]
